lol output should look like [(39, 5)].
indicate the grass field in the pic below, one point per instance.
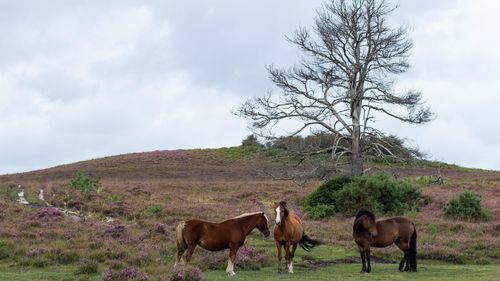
[(147, 194)]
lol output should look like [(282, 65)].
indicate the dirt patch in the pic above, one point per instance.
[(312, 263)]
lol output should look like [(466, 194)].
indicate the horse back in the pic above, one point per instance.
[(392, 229), (210, 236)]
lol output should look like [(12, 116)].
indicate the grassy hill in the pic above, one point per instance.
[(130, 220)]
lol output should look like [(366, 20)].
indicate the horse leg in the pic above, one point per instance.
[(362, 254), (403, 246), (403, 260), (292, 254), (287, 256), (230, 262), (179, 254), (278, 245), (189, 253), (369, 266)]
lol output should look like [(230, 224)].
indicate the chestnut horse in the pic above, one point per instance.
[(379, 234), (288, 232), (218, 236)]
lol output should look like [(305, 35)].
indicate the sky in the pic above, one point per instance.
[(86, 79)]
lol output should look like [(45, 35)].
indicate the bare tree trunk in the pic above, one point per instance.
[(356, 157)]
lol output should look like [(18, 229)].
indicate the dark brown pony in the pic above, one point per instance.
[(288, 232), (379, 234), (229, 234)]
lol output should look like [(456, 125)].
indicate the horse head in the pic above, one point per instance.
[(366, 218), (262, 225), (281, 212)]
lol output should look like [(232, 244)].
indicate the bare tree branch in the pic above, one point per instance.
[(346, 75)]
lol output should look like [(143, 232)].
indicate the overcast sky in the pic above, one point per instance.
[(86, 79)]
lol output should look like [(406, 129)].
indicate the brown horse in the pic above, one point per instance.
[(379, 234), (288, 232), (229, 234)]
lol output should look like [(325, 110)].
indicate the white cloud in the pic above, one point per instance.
[(84, 80)]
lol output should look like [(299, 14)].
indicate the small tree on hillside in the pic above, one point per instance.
[(345, 76)]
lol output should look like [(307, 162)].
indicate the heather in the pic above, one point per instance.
[(130, 222)]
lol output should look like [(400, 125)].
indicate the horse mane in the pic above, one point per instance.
[(286, 212), (357, 225), (248, 214), (365, 212)]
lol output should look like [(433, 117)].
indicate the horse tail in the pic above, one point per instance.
[(181, 243), (413, 249), (307, 243)]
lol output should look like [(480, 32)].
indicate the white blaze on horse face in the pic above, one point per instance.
[(278, 217)]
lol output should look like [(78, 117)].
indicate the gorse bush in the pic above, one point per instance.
[(466, 207), (85, 183), (322, 203), (377, 192), (320, 211), (325, 194)]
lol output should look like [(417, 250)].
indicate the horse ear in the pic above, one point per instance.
[(283, 203)]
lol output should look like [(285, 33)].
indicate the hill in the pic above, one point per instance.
[(130, 219)]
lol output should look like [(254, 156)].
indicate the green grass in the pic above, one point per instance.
[(427, 271), (379, 272), (59, 273)]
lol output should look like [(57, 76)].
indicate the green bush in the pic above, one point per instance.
[(347, 194), (154, 210), (320, 211), (466, 207), (379, 193), (85, 183), (324, 195)]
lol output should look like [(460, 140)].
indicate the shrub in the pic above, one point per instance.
[(324, 195), (320, 211), (50, 213), (85, 183), (114, 197), (379, 193), (251, 140), (249, 258), (65, 257), (87, 267), (466, 207), (154, 210), (187, 273), (5, 249), (128, 273), (348, 194)]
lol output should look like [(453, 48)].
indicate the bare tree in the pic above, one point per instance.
[(345, 76)]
